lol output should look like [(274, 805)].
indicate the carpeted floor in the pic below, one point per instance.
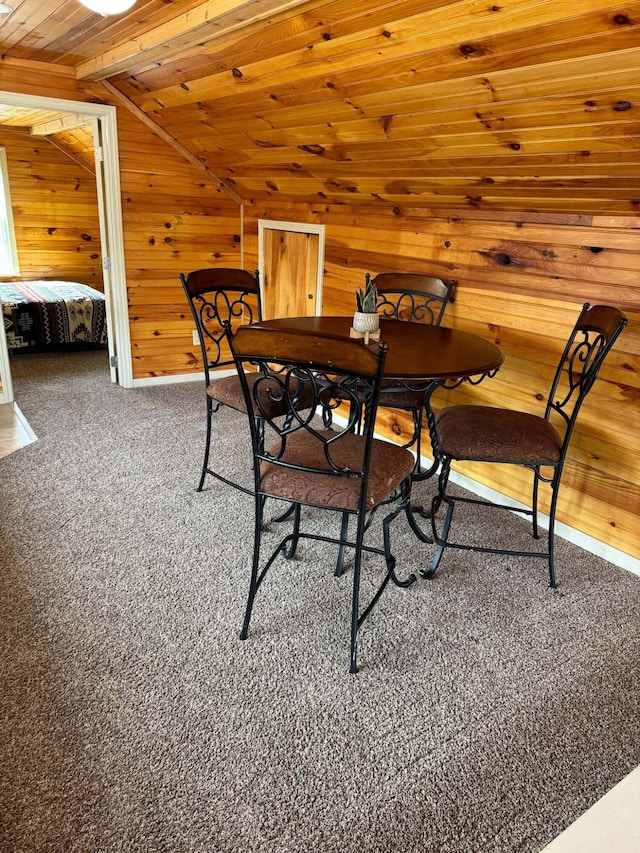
[(489, 711)]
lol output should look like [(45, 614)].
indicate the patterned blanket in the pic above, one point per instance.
[(40, 314)]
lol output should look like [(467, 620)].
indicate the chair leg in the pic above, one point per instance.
[(283, 516), (411, 518), (207, 445), (287, 547), (552, 522), (386, 531), (438, 500), (355, 599), (260, 433), (344, 531), (358, 618), (255, 580), (290, 549), (440, 540), (551, 533), (534, 503)]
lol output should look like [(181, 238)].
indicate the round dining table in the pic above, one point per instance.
[(419, 357), (418, 353)]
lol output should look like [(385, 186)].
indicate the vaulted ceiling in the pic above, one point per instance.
[(518, 105)]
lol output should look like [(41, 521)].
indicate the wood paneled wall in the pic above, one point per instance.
[(174, 221), (55, 209), (522, 278)]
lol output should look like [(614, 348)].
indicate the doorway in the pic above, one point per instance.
[(291, 265), (103, 119)]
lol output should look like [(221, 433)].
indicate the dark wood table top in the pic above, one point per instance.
[(417, 352)]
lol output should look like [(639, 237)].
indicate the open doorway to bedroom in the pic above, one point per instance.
[(65, 192), (52, 289), (84, 136)]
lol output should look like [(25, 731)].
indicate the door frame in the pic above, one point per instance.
[(298, 228), (110, 214)]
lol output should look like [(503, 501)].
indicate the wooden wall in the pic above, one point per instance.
[(522, 278), (174, 221), (55, 209)]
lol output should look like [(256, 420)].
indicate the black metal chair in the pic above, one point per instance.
[(221, 300), (415, 298), (487, 434), (336, 469)]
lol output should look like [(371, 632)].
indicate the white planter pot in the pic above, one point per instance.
[(366, 322)]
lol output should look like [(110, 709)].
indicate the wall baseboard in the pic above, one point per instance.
[(179, 377)]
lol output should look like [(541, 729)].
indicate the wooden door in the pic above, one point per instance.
[(290, 273)]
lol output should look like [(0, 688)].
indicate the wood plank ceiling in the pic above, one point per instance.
[(72, 134), (516, 105)]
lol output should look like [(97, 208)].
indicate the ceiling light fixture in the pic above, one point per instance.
[(108, 7), (4, 9)]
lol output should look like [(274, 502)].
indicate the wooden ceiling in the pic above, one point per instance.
[(70, 133), (518, 105)]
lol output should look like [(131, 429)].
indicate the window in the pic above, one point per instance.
[(8, 251)]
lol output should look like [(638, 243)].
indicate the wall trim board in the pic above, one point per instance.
[(6, 382), (179, 377), (24, 422)]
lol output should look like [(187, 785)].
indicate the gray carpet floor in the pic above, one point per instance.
[(489, 712)]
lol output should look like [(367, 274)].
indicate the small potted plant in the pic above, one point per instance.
[(365, 318)]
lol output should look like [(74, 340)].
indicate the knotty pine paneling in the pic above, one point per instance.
[(55, 210), (174, 221), (518, 106), (524, 106), (522, 278)]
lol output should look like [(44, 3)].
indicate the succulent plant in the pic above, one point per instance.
[(367, 299)]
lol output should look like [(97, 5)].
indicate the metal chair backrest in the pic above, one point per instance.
[(334, 370), (412, 296), (221, 300), (593, 335)]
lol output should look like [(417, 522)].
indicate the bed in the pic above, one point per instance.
[(40, 315)]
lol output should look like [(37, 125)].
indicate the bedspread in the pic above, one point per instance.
[(40, 314)]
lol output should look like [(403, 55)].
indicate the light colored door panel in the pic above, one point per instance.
[(291, 268)]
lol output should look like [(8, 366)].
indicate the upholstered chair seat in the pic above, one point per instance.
[(228, 390), (401, 398), (390, 464), (487, 434)]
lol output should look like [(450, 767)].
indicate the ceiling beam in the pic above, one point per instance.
[(202, 24), (58, 124), (34, 67), (170, 140)]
